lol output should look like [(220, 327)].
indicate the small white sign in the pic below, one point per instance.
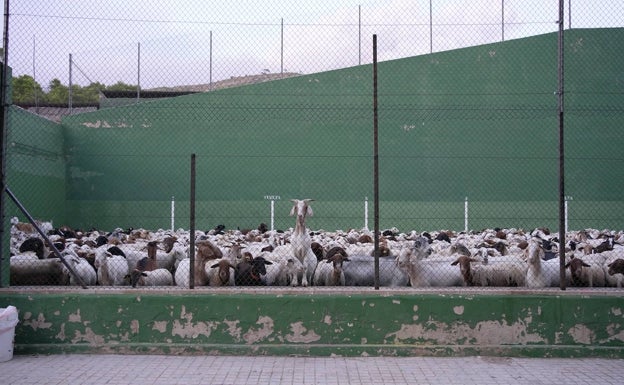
[(272, 197)]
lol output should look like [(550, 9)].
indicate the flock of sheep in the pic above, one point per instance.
[(299, 257)]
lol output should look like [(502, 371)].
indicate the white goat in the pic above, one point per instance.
[(541, 273), (301, 241)]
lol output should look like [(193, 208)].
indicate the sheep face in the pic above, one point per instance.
[(616, 267), (249, 273), (224, 267), (464, 267), (422, 249), (135, 277), (576, 270)]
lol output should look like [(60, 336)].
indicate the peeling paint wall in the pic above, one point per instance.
[(364, 324)]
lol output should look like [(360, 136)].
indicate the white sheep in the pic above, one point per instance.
[(588, 270), (182, 275), (28, 269), (475, 273), (158, 277), (111, 269), (285, 269), (424, 273), (329, 272), (220, 272), (614, 273), (206, 251), (81, 267), (301, 241), (359, 270)]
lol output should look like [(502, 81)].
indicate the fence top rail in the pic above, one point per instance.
[(323, 291)]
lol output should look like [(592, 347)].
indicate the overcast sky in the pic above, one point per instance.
[(248, 37)]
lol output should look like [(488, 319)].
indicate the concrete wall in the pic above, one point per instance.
[(320, 322)]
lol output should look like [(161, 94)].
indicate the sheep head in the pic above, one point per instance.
[(152, 249), (421, 248), (224, 267), (464, 267), (616, 267), (576, 269)]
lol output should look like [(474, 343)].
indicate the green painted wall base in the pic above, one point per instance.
[(319, 322)]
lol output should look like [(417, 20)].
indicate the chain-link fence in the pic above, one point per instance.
[(159, 143)]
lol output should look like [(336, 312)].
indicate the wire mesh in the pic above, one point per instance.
[(109, 101)]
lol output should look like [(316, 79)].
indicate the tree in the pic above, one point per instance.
[(58, 93), (121, 86), (89, 94), (26, 90)]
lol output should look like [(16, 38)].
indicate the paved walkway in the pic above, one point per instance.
[(225, 370)]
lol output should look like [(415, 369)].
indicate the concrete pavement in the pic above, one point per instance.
[(76, 369)]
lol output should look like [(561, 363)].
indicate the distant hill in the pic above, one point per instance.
[(234, 81)]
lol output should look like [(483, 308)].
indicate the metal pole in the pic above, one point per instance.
[(4, 105), (359, 34), (375, 163), (272, 215), (138, 71), (366, 213), (282, 50), (562, 234), (502, 20), (35, 93), (192, 226), (172, 213), (210, 82), (466, 215), (69, 102), (430, 27), (569, 14)]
